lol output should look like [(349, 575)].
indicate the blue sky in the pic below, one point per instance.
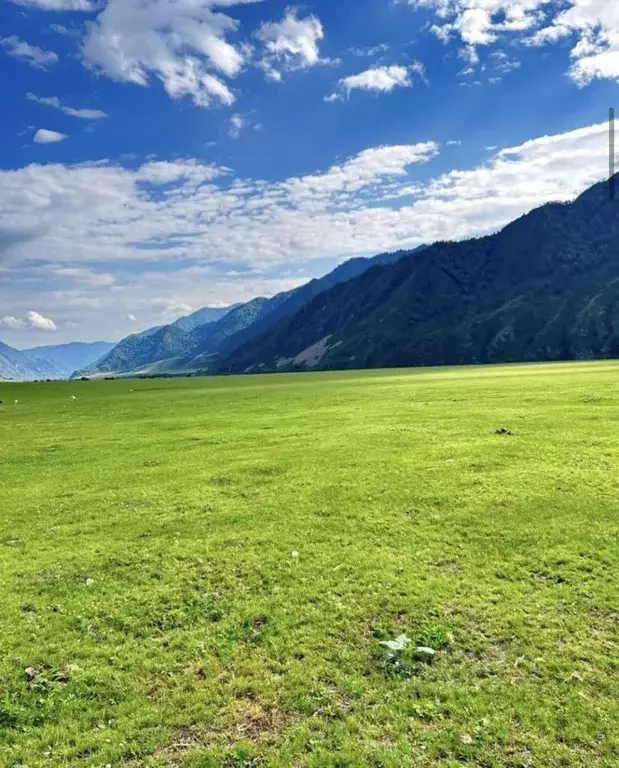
[(162, 155)]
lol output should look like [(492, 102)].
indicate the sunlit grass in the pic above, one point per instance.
[(152, 613)]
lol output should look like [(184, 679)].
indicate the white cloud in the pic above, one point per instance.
[(481, 22), (172, 308), (84, 214), (14, 323), (165, 211), (594, 24), (20, 49), (35, 320), (85, 276), (237, 123), (591, 25), (60, 29), (61, 5), (54, 101), (190, 174), (193, 234), (372, 50), (183, 44), (32, 321), (503, 63), (43, 136), (290, 44), (379, 80)]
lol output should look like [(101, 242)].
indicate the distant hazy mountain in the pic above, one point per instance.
[(544, 288), (202, 316), (16, 365), (192, 345), (53, 362), (67, 358), (141, 350)]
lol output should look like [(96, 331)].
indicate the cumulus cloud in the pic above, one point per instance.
[(379, 80), (31, 54), (32, 320), (13, 323), (481, 22), (43, 136), (54, 101), (184, 45), (289, 44), (35, 320), (592, 26)]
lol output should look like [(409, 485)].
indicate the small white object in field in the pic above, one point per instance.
[(130, 390), (424, 654), (17, 402), (294, 555), (73, 398), (90, 582)]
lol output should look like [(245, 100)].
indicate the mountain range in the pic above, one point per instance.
[(52, 362), (545, 287), (189, 346)]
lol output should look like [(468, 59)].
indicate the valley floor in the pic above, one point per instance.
[(152, 613)]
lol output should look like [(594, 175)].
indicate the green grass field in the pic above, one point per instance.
[(152, 614)]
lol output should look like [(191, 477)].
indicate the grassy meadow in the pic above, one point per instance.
[(152, 613)]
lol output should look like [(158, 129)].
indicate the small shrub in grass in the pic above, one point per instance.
[(402, 656)]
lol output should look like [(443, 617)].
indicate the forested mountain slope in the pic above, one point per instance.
[(544, 288)]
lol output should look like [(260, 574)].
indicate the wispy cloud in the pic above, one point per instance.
[(31, 54), (237, 123), (61, 5), (54, 101), (372, 50)]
